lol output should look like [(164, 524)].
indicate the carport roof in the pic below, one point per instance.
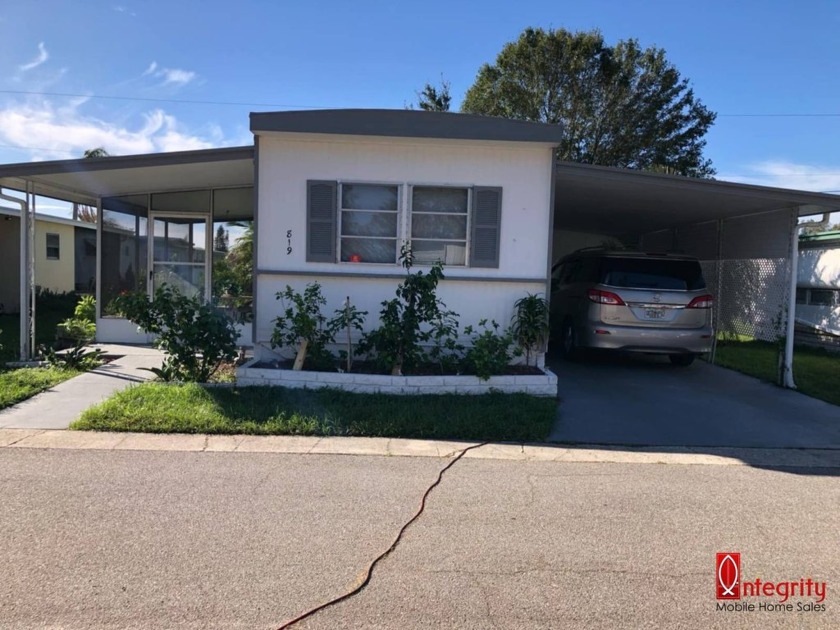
[(603, 200), (628, 203), (84, 180)]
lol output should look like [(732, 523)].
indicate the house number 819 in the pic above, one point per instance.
[(288, 242)]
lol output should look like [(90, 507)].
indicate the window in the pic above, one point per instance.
[(439, 218), (53, 246), (652, 273), (818, 297), (802, 296), (369, 223), (822, 297), (366, 223)]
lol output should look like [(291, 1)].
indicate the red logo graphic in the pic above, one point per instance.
[(728, 575)]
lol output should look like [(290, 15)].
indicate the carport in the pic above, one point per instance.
[(745, 236)]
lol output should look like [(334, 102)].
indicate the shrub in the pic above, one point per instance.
[(530, 324), (491, 351), (77, 329), (86, 308), (406, 321), (303, 327), (346, 319), (76, 358), (81, 328), (194, 335)]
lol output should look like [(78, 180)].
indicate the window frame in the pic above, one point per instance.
[(340, 210), (56, 247), (469, 214), (807, 294)]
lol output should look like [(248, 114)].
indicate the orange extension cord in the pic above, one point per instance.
[(372, 565)]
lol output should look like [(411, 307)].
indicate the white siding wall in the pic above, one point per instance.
[(287, 161), (819, 267)]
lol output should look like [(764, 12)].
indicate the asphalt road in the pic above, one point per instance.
[(94, 539)]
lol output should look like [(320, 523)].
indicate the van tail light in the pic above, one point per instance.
[(702, 301), (605, 297)]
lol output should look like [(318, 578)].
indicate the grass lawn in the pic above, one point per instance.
[(20, 384), (815, 371), (161, 408)]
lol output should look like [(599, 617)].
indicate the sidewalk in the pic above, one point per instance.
[(56, 408), (393, 447)]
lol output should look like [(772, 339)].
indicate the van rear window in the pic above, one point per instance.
[(652, 273)]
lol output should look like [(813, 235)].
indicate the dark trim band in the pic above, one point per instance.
[(391, 276)]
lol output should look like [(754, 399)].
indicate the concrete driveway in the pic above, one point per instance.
[(644, 400)]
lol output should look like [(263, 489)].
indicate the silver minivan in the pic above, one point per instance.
[(632, 302)]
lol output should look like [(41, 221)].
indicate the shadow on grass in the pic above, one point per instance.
[(161, 408)]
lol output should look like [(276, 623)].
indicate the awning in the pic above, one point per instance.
[(84, 180), (627, 203)]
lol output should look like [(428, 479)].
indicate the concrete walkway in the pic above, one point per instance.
[(393, 447), (56, 408)]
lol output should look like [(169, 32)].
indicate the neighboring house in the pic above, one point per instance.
[(818, 285), (65, 256)]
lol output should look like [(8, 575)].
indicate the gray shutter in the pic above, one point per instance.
[(486, 227), (321, 200)]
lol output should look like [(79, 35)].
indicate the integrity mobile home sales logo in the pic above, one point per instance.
[(728, 572), (730, 584)]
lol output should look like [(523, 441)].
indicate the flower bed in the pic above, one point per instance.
[(544, 384)]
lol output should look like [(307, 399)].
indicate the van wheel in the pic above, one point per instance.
[(569, 349), (682, 360)]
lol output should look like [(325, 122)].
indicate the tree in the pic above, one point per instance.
[(435, 99), (81, 212), (619, 105), (98, 152), (222, 240)]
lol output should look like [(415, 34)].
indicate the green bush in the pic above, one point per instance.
[(530, 324), (81, 330), (302, 327), (86, 308), (194, 335), (491, 351), (408, 320), (76, 358)]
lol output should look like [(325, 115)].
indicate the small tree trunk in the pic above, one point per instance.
[(349, 341), (301, 355)]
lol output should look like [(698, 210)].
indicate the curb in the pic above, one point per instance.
[(394, 447)]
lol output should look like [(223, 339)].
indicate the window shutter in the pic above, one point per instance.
[(321, 200), (486, 227)]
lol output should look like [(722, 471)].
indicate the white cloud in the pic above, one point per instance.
[(785, 174), (121, 9), (170, 76), (61, 133), (176, 76), (42, 57)]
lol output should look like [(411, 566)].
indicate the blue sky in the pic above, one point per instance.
[(770, 69)]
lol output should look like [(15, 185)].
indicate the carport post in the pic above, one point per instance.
[(787, 365)]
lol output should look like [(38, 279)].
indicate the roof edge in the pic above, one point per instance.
[(803, 197), (113, 162), (406, 123)]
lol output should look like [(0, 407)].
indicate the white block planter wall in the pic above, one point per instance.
[(536, 385)]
